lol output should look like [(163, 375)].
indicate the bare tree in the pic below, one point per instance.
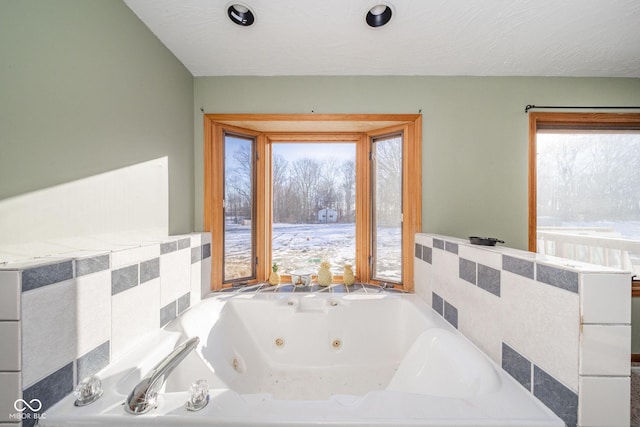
[(347, 173), (305, 177)]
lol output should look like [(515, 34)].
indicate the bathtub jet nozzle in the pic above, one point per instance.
[(143, 397)]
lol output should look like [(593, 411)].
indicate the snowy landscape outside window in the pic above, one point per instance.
[(588, 195), (386, 170), (314, 205), (239, 202)]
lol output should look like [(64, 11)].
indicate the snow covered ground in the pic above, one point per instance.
[(304, 246)]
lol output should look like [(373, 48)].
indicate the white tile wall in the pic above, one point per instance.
[(10, 289), (49, 329), (93, 310), (583, 339), (9, 391), (134, 313), (543, 322), (206, 237), (481, 255), (196, 282), (10, 345), (604, 298), (605, 350), (196, 240), (134, 255), (604, 401), (175, 272), (205, 274), (422, 271)]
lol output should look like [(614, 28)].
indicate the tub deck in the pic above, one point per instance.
[(338, 359)]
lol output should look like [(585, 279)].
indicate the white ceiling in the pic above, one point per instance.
[(424, 37)]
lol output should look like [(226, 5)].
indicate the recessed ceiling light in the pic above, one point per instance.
[(379, 15), (240, 14)]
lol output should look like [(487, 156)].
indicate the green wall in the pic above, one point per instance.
[(86, 88), (475, 133)]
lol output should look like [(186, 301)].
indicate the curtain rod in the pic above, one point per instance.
[(530, 106)]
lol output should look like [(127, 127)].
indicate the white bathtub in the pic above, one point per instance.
[(315, 359)]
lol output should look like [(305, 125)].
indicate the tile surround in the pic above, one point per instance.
[(518, 266), (468, 271), (10, 294), (124, 278), (558, 277), (437, 303), (49, 390), (168, 313), (36, 277), (517, 366), (9, 392), (168, 247), (450, 314), (85, 266), (556, 396), (90, 363), (567, 324), (69, 318), (489, 279), (149, 270)]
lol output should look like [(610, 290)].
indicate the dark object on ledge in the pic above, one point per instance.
[(485, 241)]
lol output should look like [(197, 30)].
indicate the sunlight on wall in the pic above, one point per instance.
[(116, 207)]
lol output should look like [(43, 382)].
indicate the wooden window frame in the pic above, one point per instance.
[(269, 128), (564, 120), (577, 121)]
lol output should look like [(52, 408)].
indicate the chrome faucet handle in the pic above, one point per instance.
[(143, 397)]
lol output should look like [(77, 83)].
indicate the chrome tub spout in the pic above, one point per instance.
[(143, 397)]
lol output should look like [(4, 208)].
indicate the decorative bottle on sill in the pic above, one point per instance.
[(274, 277), (348, 277), (325, 277)]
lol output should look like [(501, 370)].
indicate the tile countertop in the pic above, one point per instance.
[(564, 263)]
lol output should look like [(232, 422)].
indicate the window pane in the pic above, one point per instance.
[(588, 197), (387, 208), (314, 205), (239, 252)]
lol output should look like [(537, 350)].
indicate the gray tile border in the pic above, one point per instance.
[(49, 391), (168, 313), (149, 270), (184, 243), (451, 314), (438, 244), (206, 250), (91, 265), (563, 279), (196, 254), (557, 397), (184, 302), (489, 279), (427, 254), (123, 279), (418, 251), (517, 366), (451, 247), (94, 360), (467, 270), (437, 303), (167, 247), (518, 266), (36, 277)]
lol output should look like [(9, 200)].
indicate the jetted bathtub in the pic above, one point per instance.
[(315, 359)]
